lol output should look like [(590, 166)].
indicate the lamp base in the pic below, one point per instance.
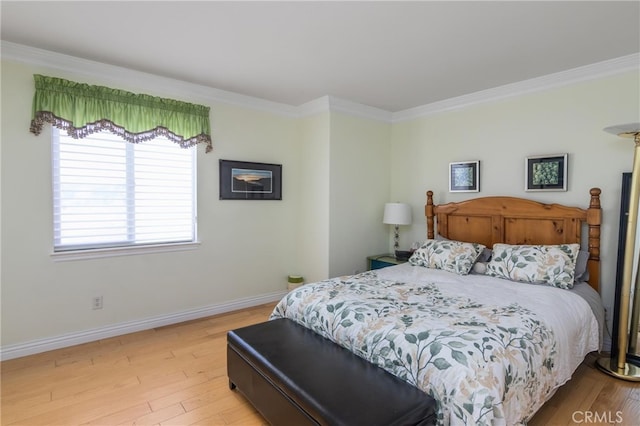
[(609, 365)]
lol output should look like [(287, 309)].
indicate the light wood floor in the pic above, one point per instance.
[(176, 375)]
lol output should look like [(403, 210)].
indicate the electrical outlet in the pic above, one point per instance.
[(96, 302)]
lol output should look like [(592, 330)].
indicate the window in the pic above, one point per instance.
[(111, 193)]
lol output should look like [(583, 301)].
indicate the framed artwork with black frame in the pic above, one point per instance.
[(546, 172), (464, 176), (243, 180)]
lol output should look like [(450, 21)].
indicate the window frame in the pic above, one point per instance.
[(99, 250)]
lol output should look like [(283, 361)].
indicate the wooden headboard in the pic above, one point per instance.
[(510, 220)]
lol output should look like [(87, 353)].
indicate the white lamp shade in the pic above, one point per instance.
[(397, 214)]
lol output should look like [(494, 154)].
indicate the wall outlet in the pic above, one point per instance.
[(96, 302)]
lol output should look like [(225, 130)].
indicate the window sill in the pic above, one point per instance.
[(64, 256)]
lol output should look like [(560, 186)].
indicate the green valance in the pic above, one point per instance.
[(82, 109)]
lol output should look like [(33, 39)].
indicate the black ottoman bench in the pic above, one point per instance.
[(293, 376)]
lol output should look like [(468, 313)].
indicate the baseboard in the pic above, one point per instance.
[(71, 339)]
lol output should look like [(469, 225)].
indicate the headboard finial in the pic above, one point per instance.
[(428, 212), (595, 198), (594, 220)]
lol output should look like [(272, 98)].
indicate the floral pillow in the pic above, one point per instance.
[(552, 265), (484, 256), (452, 256)]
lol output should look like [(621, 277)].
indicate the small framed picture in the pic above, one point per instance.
[(242, 180), (464, 176), (546, 172)]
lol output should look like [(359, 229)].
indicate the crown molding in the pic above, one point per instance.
[(359, 110), (335, 104), (146, 81), (316, 106), (588, 72), (181, 89)]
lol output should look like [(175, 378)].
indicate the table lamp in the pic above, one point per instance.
[(397, 214)]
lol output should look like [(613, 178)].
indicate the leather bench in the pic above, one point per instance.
[(294, 376)]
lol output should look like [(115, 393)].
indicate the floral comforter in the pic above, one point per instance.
[(489, 351)]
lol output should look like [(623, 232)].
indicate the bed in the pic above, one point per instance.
[(489, 317)]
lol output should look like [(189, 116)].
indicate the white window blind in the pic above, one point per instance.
[(111, 193)]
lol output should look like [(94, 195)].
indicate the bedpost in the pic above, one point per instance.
[(428, 212), (594, 219)]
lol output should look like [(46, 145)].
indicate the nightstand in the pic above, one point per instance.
[(382, 261)]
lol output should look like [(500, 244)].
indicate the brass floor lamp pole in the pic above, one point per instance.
[(618, 366)]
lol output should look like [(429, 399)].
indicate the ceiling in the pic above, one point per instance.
[(390, 55)]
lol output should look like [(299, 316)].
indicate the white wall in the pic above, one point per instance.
[(501, 134), (344, 183), (359, 181), (312, 238), (247, 247)]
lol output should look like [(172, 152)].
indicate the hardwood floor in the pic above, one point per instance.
[(592, 398), (176, 375)]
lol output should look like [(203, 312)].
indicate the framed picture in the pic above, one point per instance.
[(464, 176), (242, 180), (546, 173)]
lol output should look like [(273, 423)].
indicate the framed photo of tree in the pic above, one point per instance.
[(464, 176), (546, 172)]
